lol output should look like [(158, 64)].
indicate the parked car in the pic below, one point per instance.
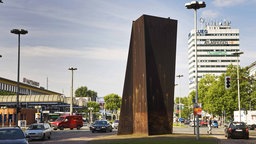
[(68, 121), (215, 124), (203, 123), (101, 126), (12, 135), (115, 124), (181, 120), (39, 131), (236, 130)]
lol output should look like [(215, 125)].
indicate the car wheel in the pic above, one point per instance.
[(92, 131), (61, 128), (71, 128), (78, 127), (49, 137)]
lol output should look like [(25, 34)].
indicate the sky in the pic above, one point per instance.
[(93, 36)]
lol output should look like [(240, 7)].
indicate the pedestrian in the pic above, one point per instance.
[(209, 126)]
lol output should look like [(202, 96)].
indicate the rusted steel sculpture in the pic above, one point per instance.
[(148, 94)]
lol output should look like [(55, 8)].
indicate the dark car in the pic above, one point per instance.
[(12, 135), (101, 126), (236, 130)]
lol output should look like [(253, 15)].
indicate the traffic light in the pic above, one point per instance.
[(227, 82)]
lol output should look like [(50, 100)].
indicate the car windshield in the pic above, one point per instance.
[(100, 122), (238, 125), (36, 127), (11, 134)]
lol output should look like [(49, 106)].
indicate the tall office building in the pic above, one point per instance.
[(216, 44)]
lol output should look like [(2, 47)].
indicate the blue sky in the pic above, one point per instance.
[(94, 36)]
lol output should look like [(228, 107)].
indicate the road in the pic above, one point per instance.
[(74, 136), (218, 133), (83, 135)]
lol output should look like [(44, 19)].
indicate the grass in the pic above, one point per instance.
[(159, 139)]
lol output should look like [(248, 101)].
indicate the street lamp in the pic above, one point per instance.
[(196, 5), (179, 76), (18, 32), (90, 109), (237, 54), (71, 103)]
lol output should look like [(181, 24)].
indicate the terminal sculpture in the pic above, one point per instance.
[(148, 94)]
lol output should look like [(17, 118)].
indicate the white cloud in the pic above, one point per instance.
[(227, 3), (88, 53), (210, 14)]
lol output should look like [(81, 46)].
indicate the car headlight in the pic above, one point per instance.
[(103, 127)]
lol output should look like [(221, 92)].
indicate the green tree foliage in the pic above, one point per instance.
[(216, 99), (84, 92), (112, 102), (94, 105)]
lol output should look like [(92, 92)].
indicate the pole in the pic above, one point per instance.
[(18, 32), (238, 89), (196, 77), (179, 76), (71, 104), (18, 84)]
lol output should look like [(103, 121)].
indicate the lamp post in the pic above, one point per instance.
[(251, 103), (71, 103), (179, 76), (90, 109), (237, 54), (18, 32), (196, 5)]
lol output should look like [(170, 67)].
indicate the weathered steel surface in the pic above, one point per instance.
[(148, 94)]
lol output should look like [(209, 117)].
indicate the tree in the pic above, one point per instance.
[(216, 99), (84, 92), (81, 92), (94, 105), (112, 102)]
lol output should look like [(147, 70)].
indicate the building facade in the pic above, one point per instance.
[(27, 87), (216, 44)]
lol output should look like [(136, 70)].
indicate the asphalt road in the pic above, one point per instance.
[(82, 136), (218, 133)]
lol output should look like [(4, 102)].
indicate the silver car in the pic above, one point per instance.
[(39, 131)]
